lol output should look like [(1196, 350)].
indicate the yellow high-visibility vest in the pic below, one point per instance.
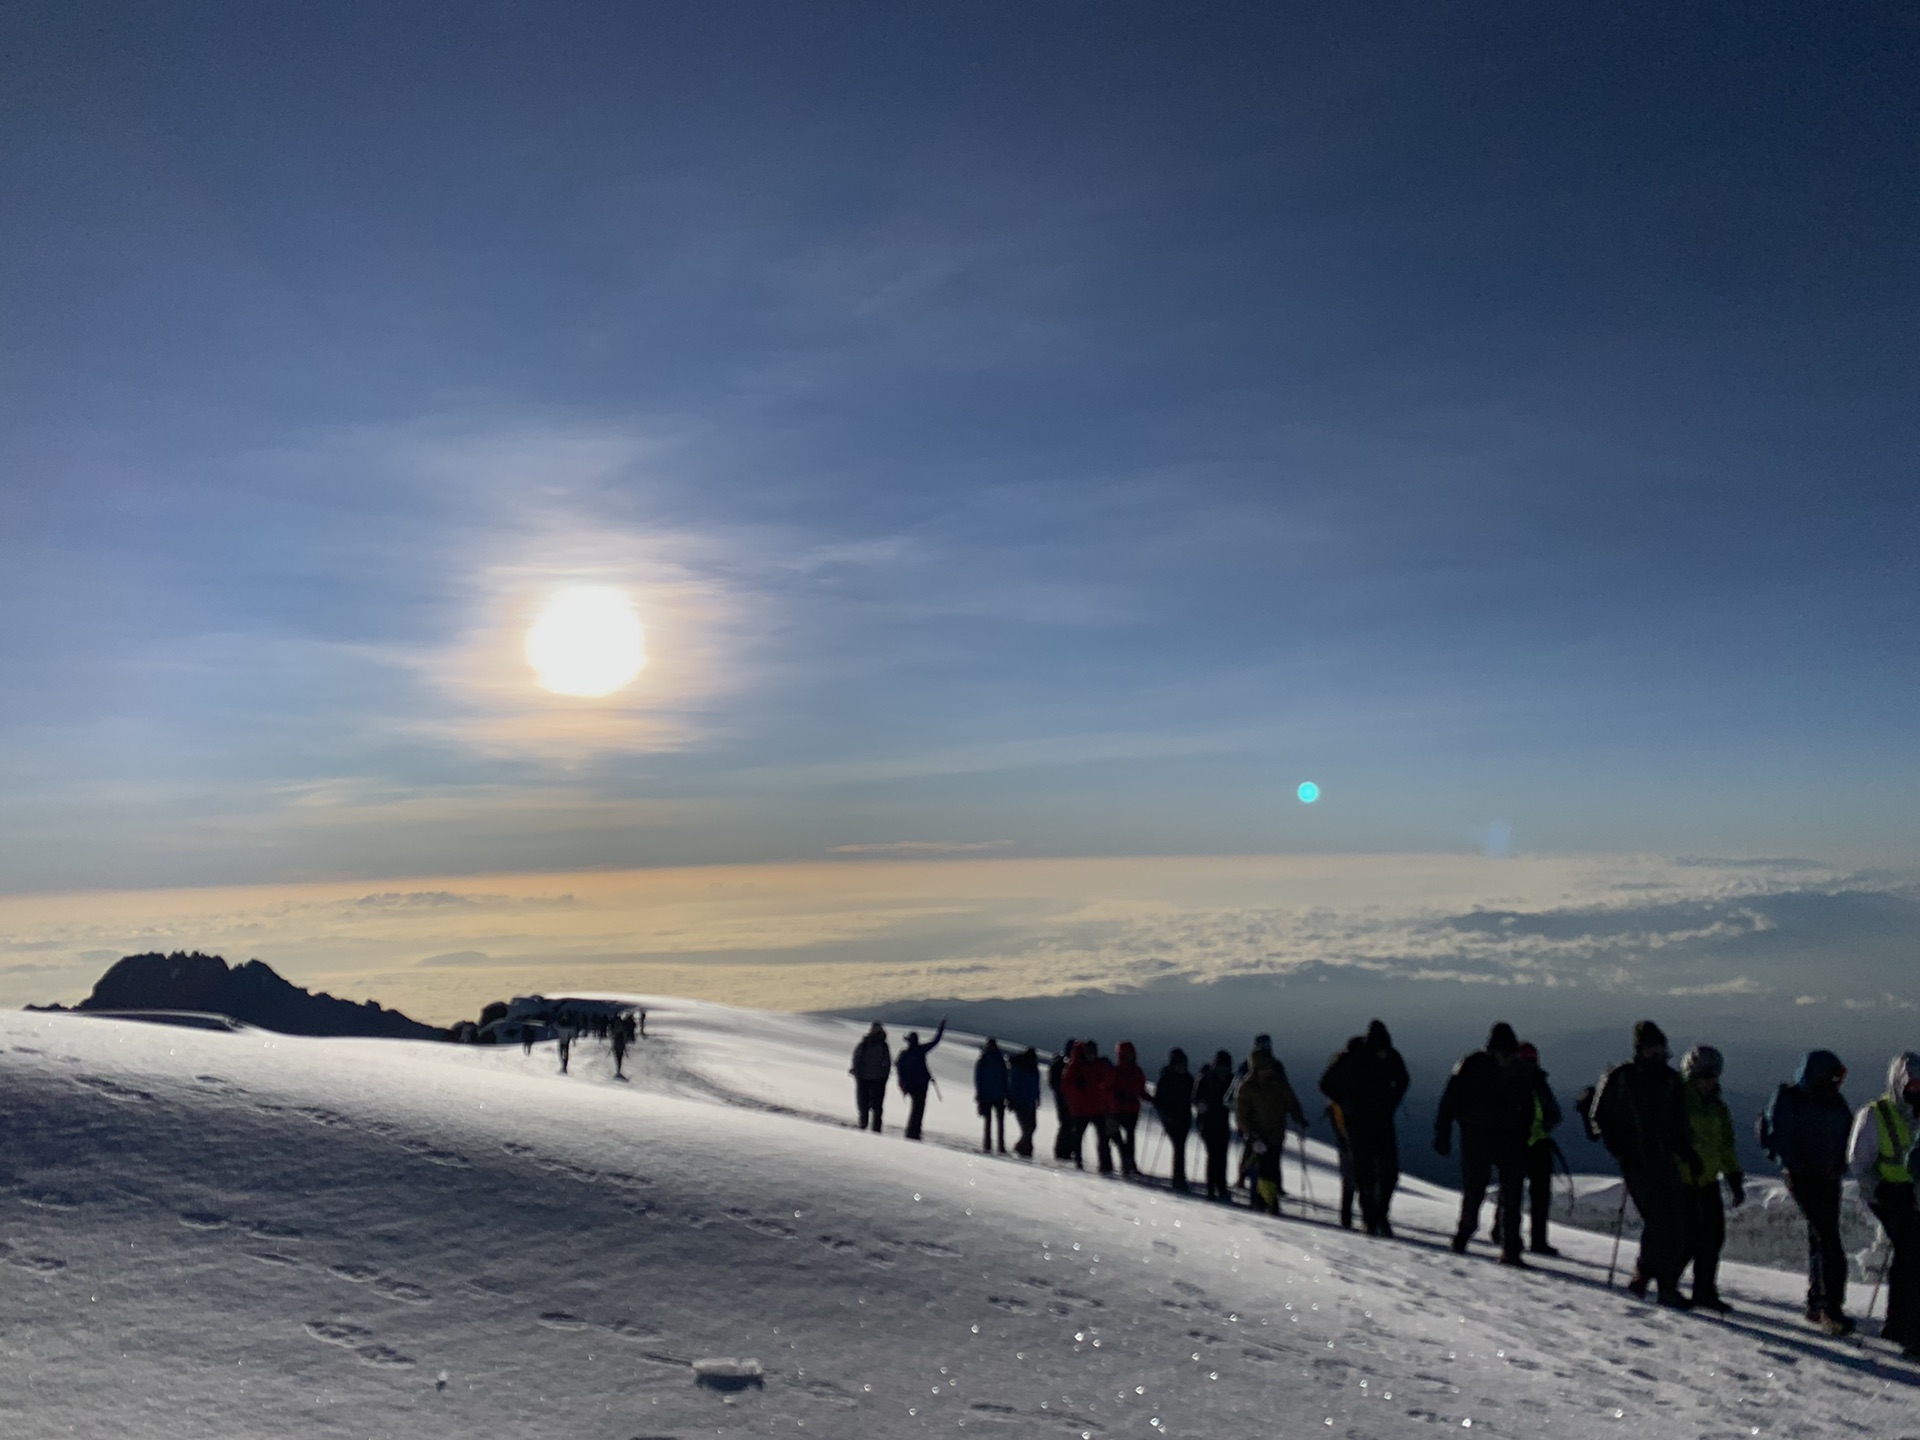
[(1896, 1139)]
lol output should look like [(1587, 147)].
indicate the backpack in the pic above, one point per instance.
[(1767, 1125)]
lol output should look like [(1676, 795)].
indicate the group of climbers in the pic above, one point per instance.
[(1670, 1131)]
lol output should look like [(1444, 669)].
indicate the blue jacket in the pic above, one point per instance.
[(1806, 1126)]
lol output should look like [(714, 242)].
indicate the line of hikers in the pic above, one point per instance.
[(1670, 1132)]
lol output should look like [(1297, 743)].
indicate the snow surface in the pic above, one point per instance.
[(213, 1234)]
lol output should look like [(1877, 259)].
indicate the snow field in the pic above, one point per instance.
[(233, 1235)]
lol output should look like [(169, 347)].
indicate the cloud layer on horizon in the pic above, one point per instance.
[(862, 932)]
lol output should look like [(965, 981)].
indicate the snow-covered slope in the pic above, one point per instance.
[(215, 1234)]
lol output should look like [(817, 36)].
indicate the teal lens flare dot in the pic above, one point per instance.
[(1308, 792)]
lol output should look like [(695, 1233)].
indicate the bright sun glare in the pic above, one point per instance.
[(587, 642)]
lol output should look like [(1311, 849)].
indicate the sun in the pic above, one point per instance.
[(587, 642)]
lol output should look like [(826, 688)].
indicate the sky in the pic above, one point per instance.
[(1024, 433)]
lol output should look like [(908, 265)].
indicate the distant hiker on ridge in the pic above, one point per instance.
[(1806, 1128), (1640, 1113), (1023, 1097), (1492, 1101), (990, 1093), (872, 1064), (914, 1075), (1882, 1142), (621, 1035)]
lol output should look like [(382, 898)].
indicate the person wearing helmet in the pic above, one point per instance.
[(1880, 1151), (1703, 1219)]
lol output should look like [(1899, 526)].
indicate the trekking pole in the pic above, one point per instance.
[(1619, 1224), (1306, 1176), (1878, 1280)]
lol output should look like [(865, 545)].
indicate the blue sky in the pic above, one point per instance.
[(1058, 428)]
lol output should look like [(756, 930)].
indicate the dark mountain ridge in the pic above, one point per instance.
[(252, 993)]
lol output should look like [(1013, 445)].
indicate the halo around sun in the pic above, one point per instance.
[(587, 642)]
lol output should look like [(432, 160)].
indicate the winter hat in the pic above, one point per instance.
[(1529, 1053), (1702, 1062), (1378, 1037), (1646, 1033), (1904, 1071), (1263, 1042), (1501, 1040)]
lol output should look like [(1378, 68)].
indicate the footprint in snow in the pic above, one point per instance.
[(50, 1200), (272, 1257), (938, 1252), (490, 1285), (358, 1274), (360, 1341), (112, 1089), (38, 1264), (401, 1290), (561, 1320), (203, 1220), (514, 1147), (632, 1329), (837, 1243), (266, 1230)]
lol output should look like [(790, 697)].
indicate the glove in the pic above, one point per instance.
[(1443, 1144), (1738, 1185), (1259, 1147)]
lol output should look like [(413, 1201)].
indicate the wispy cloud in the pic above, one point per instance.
[(923, 847)]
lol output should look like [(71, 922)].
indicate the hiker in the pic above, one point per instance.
[(1262, 1045), (1703, 1216), (1805, 1128), (1639, 1112), (1088, 1086), (1364, 1087), (1491, 1099), (990, 1093), (1536, 1165), (1334, 1081), (872, 1064), (1064, 1138), (1879, 1157), (566, 1047), (1215, 1121), (1262, 1103), (1023, 1097), (526, 1038), (1173, 1103), (911, 1067), (621, 1036), (1129, 1088)]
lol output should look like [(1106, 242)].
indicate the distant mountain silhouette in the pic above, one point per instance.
[(252, 993)]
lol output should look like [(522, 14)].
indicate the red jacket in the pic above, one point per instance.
[(1088, 1085), (1129, 1082)]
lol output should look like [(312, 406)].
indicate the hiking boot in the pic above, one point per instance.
[(1710, 1300), (1459, 1244), (1833, 1323), (1674, 1300), (1637, 1287), (1513, 1260), (1543, 1249)]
